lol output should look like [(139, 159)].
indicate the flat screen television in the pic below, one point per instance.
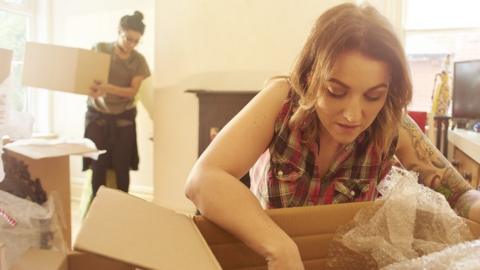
[(466, 90)]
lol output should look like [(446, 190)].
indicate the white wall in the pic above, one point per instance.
[(394, 10), (82, 24), (217, 45)]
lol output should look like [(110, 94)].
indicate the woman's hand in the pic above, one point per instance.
[(97, 89), (286, 259)]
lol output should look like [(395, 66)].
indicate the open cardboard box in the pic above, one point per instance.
[(5, 63), (63, 68), (37, 259), (51, 164), (129, 229)]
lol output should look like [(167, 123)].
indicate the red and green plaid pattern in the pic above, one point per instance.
[(286, 175)]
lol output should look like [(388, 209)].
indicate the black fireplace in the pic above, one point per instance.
[(216, 108)]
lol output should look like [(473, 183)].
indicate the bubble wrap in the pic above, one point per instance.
[(24, 224), (459, 257), (410, 221)]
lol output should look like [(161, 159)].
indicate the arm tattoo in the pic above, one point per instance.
[(465, 202), (453, 185), (424, 150), (435, 171)]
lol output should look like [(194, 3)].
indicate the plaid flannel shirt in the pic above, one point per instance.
[(286, 174)]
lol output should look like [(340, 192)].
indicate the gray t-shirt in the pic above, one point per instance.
[(121, 73)]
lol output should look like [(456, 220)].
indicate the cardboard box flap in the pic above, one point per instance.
[(38, 149), (129, 229), (39, 259)]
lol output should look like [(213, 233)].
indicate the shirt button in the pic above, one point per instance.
[(280, 173)]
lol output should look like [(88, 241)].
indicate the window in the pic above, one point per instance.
[(13, 35), (433, 30), (20, 23)]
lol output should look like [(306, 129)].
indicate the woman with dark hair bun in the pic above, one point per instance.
[(133, 22), (110, 119)]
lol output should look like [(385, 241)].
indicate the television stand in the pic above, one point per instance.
[(466, 154)]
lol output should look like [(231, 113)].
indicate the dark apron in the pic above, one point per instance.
[(116, 134)]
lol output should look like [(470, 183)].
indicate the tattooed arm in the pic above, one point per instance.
[(416, 153)]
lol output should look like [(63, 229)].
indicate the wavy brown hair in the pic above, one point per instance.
[(342, 28)]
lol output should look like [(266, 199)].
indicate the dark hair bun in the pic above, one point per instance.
[(133, 22), (138, 15)]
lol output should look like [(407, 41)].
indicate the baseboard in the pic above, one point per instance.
[(76, 188)]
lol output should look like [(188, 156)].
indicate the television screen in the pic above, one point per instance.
[(466, 90)]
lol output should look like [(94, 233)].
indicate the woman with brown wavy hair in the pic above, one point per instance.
[(328, 133)]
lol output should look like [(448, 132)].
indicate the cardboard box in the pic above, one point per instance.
[(3, 260), (128, 229), (63, 68), (5, 63), (51, 164), (36, 259)]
